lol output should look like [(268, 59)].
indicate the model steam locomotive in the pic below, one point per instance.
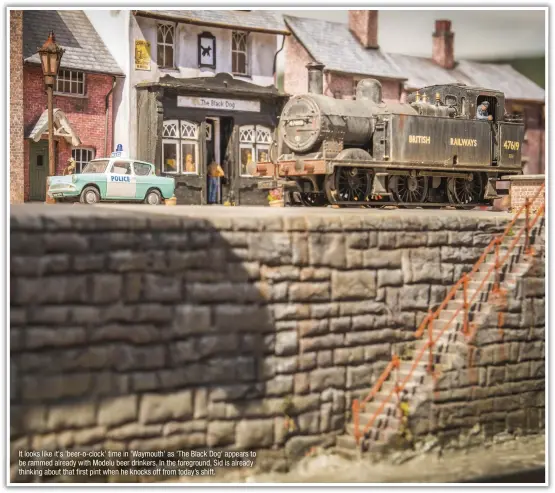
[(431, 150)]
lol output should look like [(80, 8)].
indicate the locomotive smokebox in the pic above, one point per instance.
[(369, 90), (315, 78)]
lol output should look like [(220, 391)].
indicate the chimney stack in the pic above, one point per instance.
[(315, 77), (443, 52), (364, 26)]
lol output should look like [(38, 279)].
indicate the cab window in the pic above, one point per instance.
[(141, 169), (121, 168), (492, 105)]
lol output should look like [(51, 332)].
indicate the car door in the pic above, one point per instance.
[(143, 173), (121, 181)]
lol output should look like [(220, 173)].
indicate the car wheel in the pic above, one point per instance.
[(153, 197), (89, 196)]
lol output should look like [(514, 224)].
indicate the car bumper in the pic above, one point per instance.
[(59, 193)]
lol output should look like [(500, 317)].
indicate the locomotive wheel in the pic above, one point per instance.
[(352, 184), (412, 189), (463, 191), (314, 199)]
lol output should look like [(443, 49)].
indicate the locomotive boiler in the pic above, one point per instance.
[(431, 150)]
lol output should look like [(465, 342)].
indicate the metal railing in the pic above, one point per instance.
[(469, 330)]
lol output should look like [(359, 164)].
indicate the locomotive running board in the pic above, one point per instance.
[(412, 205)]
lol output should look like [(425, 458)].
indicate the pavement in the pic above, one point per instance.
[(210, 211)]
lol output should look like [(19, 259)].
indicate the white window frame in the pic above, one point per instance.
[(234, 51), (178, 132), (79, 163), (177, 156), (165, 26), (62, 77), (252, 142)]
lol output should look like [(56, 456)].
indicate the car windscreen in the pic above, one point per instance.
[(96, 166)]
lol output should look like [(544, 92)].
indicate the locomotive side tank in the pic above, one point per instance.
[(430, 150)]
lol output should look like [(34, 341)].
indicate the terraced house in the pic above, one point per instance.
[(83, 97), (351, 52), (200, 88)]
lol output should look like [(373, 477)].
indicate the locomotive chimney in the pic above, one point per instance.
[(443, 45), (315, 78), (364, 26)]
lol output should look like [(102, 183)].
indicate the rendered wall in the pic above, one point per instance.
[(154, 330)]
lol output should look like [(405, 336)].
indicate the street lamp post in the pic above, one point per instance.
[(50, 56)]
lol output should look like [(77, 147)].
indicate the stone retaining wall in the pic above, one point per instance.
[(163, 330)]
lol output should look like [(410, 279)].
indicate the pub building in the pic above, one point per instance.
[(185, 124)]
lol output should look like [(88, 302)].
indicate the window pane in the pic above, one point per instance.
[(262, 156), (170, 157), (169, 57), (160, 55), (121, 168), (141, 169), (160, 34), (74, 88), (241, 63), (246, 158), (188, 153)]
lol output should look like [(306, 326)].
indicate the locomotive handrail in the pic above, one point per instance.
[(428, 320)]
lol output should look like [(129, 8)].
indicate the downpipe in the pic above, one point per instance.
[(106, 119)]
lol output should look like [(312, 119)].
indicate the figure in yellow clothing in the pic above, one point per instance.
[(71, 165), (215, 173), (189, 165)]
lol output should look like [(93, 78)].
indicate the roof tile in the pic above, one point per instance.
[(85, 49)]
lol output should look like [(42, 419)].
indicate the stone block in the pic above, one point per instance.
[(117, 411), (131, 431), (348, 356), (421, 265), (54, 387), (415, 296), (53, 337), (297, 447), (520, 371), (328, 341), (301, 383), (280, 273), (359, 376), (327, 377), (106, 288), (254, 434), (377, 352), (390, 277), (341, 324), (157, 408), (309, 423), (307, 361), (531, 350), (220, 433), (242, 318), (358, 240), (315, 274), (305, 403), (309, 291), (280, 385), (352, 285), (286, 343), (325, 359), (327, 250), (324, 310), (270, 248), (460, 255), (200, 403)]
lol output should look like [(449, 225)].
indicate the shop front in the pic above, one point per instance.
[(187, 127)]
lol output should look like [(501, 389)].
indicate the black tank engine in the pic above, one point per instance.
[(431, 150)]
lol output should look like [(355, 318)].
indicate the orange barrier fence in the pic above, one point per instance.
[(466, 304)]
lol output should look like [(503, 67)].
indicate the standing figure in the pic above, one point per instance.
[(189, 165), (215, 173), (71, 165)]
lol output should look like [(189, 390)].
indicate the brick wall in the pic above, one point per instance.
[(163, 331), (295, 76), (17, 175), (87, 115), (526, 186)]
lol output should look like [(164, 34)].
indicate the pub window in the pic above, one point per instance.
[(165, 44), (82, 157), (70, 82), (180, 147), (254, 146), (239, 53)]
